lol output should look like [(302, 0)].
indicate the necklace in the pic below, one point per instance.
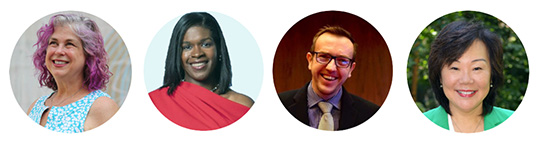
[(477, 125), (215, 88), (52, 100)]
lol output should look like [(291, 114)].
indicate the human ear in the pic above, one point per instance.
[(309, 59), (352, 68)]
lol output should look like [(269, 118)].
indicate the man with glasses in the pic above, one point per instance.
[(323, 103)]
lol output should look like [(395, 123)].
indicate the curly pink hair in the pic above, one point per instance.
[(96, 71)]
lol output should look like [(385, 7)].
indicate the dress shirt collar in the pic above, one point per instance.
[(313, 98)]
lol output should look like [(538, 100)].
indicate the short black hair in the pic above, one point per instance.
[(451, 42), (174, 72)]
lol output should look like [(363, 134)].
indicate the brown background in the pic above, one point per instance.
[(372, 77)]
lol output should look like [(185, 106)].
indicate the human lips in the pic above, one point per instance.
[(198, 64), (59, 63), (328, 77), (466, 93)]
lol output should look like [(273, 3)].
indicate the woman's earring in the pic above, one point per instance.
[(440, 86), (490, 85)]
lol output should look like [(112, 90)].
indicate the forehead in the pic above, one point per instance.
[(476, 51), (335, 45), (64, 32), (196, 33)]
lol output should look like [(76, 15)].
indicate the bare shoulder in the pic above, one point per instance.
[(104, 105), (31, 106), (101, 110), (239, 98)]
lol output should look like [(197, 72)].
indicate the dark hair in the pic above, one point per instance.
[(337, 31), (452, 41), (174, 72)]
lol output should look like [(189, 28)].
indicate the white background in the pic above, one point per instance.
[(398, 120)]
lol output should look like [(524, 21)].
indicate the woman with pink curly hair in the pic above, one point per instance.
[(71, 60)]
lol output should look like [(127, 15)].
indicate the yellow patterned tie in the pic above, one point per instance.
[(327, 121)]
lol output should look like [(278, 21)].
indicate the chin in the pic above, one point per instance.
[(327, 90), (468, 106)]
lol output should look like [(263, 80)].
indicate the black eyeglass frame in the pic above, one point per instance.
[(332, 57)]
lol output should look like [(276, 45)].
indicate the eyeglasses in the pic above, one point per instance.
[(324, 58)]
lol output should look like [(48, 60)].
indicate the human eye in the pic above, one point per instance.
[(454, 68), (477, 68), (207, 44), (343, 61), (323, 57), (186, 46), (53, 43), (69, 44)]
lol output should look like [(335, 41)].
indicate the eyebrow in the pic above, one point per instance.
[(67, 40), (475, 60), (335, 56)]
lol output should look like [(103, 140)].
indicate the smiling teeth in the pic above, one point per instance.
[(60, 62), (197, 64), (328, 77), (471, 92)]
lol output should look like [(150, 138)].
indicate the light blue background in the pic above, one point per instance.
[(246, 60)]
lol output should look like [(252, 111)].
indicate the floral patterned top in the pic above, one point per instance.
[(69, 118)]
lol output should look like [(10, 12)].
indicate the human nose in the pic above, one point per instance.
[(331, 66), (466, 77), (60, 50), (197, 52)]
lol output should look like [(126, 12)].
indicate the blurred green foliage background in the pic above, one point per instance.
[(516, 66)]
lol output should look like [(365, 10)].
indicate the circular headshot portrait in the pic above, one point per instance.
[(70, 72), (332, 70), (203, 70), (467, 71)]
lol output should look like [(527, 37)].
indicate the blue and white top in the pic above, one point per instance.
[(69, 118)]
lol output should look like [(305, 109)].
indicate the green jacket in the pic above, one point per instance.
[(491, 120)]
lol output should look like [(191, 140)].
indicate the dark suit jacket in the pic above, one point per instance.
[(354, 110)]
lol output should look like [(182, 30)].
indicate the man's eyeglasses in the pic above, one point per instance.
[(324, 58)]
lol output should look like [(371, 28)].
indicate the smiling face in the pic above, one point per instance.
[(327, 79), (199, 54), (466, 81), (65, 57)]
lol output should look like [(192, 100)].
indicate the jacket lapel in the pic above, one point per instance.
[(299, 106), (348, 112)]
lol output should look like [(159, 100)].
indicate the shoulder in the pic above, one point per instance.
[(40, 99), (496, 117), (103, 107), (101, 110), (434, 112), (437, 115), (239, 98), (288, 94), (159, 91), (499, 113), (287, 97), (363, 104), (31, 106), (104, 103), (502, 111)]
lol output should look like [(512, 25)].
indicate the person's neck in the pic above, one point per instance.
[(467, 121), (328, 96), (67, 88), (207, 84)]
